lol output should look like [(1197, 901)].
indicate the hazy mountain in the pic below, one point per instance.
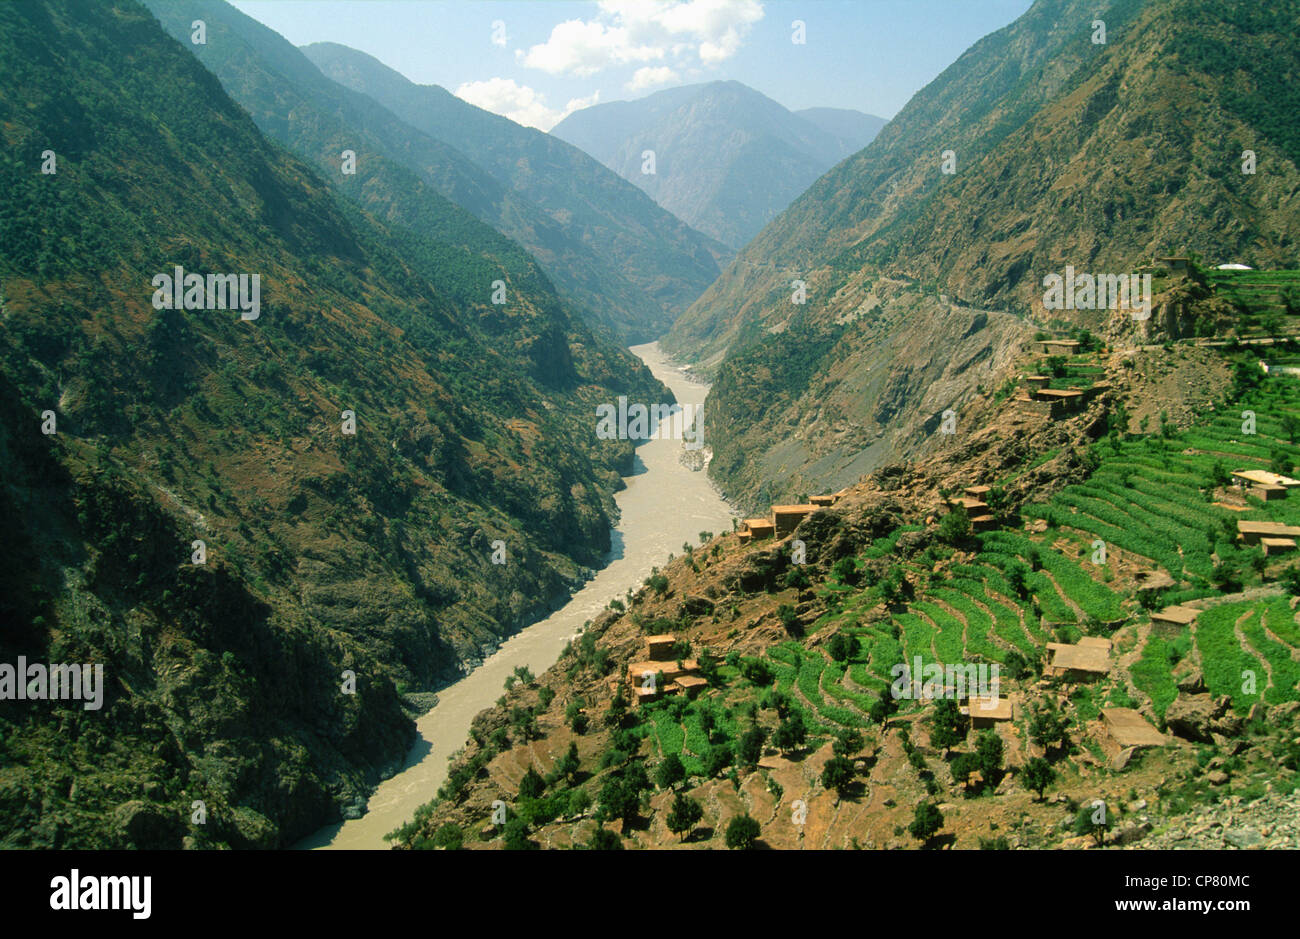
[(853, 128), (919, 282), (323, 550), (727, 158), (632, 276)]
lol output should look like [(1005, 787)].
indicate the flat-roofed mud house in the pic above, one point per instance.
[(787, 517), (1086, 660)]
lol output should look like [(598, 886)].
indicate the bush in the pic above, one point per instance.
[(742, 833), (843, 646), (449, 836), (670, 772), (838, 774), (926, 822), (751, 746)]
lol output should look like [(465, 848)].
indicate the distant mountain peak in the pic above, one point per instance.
[(727, 157)]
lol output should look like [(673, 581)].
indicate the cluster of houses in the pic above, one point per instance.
[(1036, 394), (660, 672), (785, 518)]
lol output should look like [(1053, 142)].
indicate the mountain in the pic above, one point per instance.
[(626, 264), (387, 477), (854, 128), (652, 265), (727, 158), (921, 284), (796, 717)]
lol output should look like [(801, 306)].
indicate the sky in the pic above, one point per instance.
[(536, 61)]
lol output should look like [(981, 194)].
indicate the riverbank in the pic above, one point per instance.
[(664, 505)]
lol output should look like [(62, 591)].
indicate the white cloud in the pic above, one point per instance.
[(521, 104), (627, 32), (649, 77)]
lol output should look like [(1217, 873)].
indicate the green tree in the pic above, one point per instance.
[(618, 800), (988, 748), (532, 785), (1048, 728), (684, 815), (947, 727), (717, 758), (449, 837), (955, 526), (838, 774), (751, 746), (742, 833), (568, 765), (602, 839), (1038, 775), (516, 838), (926, 822), (847, 740), (791, 733), (670, 772), (843, 646)]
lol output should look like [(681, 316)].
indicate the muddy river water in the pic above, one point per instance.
[(665, 504)]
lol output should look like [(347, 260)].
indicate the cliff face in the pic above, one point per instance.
[(1062, 151)]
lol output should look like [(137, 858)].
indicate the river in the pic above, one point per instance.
[(664, 505)]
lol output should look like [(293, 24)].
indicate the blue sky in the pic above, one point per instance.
[(550, 58)]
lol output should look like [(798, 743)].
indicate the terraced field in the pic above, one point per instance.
[(1150, 503)]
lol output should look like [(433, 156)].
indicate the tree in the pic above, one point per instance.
[(569, 764), (926, 822), (742, 833), (617, 710), (1280, 463), (892, 589), (845, 570), (449, 837), (947, 728), (602, 839), (576, 718), (789, 620), (1291, 427), (670, 772), (791, 733), (751, 746), (516, 836), (843, 646), (838, 774), (955, 526), (684, 815), (532, 785), (619, 800), (1038, 775), (1049, 729), (717, 758), (847, 740), (988, 747), (962, 766)]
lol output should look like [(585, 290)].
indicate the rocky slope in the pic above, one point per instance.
[(1063, 152), (765, 629)]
